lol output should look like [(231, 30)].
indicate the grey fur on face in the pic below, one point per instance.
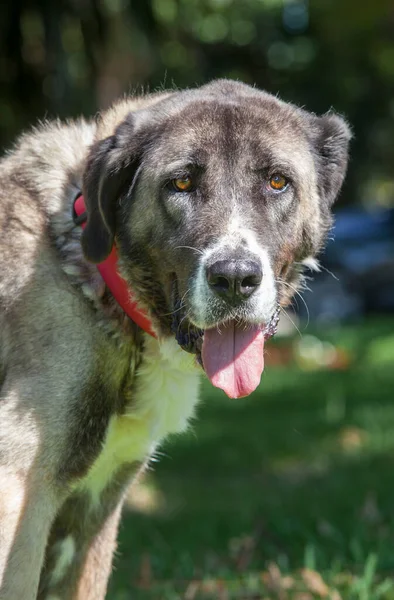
[(229, 139), (85, 395)]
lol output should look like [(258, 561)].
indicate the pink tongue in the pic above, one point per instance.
[(233, 358)]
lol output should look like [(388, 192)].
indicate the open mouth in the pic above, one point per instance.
[(231, 354)]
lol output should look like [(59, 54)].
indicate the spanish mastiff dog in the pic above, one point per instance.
[(213, 200)]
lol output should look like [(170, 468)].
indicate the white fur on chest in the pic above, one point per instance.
[(166, 393)]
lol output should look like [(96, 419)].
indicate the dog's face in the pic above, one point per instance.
[(215, 197)]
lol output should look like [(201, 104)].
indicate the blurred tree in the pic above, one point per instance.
[(74, 56)]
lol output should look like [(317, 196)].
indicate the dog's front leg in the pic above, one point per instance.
[(27, 509), (93, 579), (79, 558), (29, 494), (82, 542)]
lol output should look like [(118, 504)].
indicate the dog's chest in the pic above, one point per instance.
[(166, 393)]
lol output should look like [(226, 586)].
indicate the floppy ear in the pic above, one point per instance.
[(331, 140), (110, 168)]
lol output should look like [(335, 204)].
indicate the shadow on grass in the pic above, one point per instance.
[(300, 474)]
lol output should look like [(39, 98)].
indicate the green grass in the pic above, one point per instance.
[(288, 494)]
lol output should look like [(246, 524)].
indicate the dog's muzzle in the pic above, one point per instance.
[(190, 337)]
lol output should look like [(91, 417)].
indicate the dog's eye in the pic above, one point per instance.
[(183, 184), (278, 183)]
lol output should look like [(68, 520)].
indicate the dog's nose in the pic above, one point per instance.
[(234, 279)]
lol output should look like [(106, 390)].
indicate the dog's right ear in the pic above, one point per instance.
[(331, 140), (110, 168)]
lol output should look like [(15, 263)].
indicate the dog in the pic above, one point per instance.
[(214, 200)]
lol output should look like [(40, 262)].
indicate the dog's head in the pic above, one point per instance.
[(215, 198)]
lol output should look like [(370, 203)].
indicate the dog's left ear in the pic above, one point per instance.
[(331, 141), (111, 167)]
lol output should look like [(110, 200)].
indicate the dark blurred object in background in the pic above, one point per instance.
[(75, 56), (357, 275)]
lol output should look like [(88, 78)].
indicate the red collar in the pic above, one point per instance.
[(117, 286)]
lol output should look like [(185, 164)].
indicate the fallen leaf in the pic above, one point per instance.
[(315, 583)]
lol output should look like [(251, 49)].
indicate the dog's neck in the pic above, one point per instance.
[(109, 272), (85, 276)]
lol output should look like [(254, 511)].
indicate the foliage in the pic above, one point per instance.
[(71, 57), (283, 496)]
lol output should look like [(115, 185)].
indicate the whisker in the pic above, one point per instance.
[(177, 309), (330, 273), (295, 301), (184, 295), (186, 316), (281, 281), (291, 321), (169, 314), (189, 248)]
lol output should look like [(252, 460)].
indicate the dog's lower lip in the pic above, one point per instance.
[(190, 337), (269, 328)]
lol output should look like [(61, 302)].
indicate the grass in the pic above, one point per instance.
[(286, 495)]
